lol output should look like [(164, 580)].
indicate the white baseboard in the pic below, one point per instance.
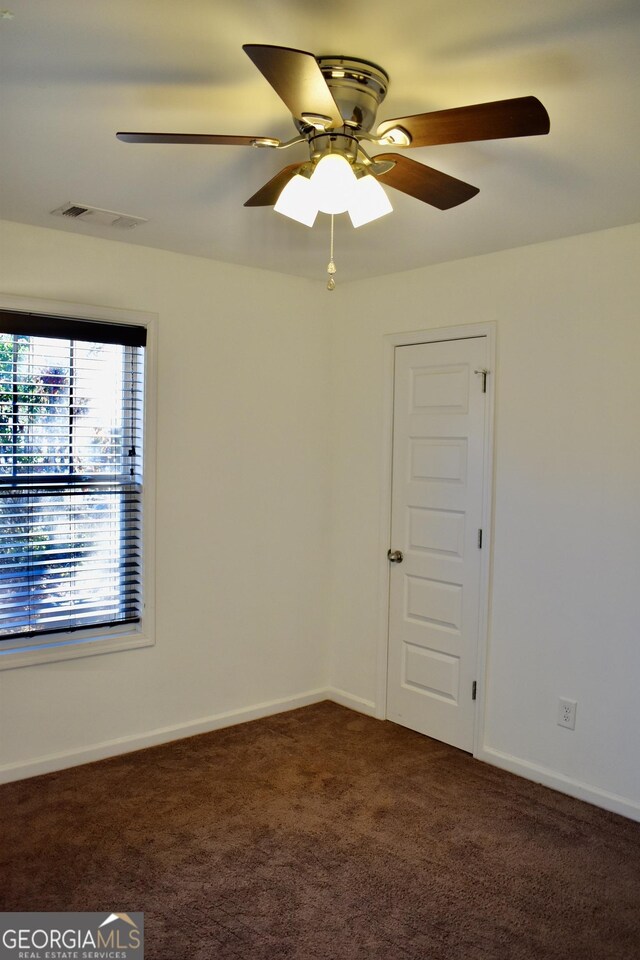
[(113, 748), (557, 781), (352, 702)]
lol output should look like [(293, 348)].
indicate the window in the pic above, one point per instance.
[(71, 478)]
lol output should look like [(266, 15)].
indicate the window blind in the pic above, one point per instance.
[(71, 455)]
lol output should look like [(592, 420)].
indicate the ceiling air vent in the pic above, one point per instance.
[(102, 218), (73, 211)]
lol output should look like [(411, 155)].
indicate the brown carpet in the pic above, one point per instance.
[(321, 834)]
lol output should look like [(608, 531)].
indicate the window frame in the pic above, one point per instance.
[(49, 648)]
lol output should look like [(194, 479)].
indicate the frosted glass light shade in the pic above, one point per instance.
[(368, 201), (298, 201), (333, 188), (333, 182)]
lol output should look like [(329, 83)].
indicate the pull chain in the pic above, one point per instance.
[(331, 267)]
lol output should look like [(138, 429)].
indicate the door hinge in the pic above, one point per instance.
[(474, 689), (479, 539), (485, 374)]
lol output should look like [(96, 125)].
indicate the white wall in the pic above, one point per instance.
[(242, 495), (565, 597)]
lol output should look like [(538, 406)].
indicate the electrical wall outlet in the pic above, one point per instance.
[(567, 713)]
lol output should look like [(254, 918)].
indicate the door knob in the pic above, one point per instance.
[(395, 556)]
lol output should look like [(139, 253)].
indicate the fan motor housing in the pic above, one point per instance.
[(324, 143), (358, 87)]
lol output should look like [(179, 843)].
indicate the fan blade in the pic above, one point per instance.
[(191, 138), (519, 117), (297, 79), (269, 193), (424, 183)]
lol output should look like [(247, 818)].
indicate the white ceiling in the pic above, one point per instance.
[(73, 72)]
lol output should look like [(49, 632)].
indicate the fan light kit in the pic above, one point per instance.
[(334, 102)]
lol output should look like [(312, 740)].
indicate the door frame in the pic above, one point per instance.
[(390, 342)]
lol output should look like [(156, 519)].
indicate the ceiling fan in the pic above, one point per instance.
[(334, 101)]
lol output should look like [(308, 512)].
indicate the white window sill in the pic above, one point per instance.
[(65, 647)]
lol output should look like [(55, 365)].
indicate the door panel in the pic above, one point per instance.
[(436, 512)]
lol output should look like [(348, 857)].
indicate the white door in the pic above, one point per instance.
[(436, 519)]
